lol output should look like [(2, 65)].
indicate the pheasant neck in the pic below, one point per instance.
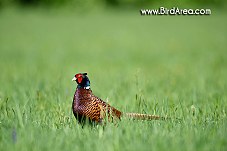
[(87, 87), (84, 87)]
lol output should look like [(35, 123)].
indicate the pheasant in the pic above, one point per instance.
[(87, 106)]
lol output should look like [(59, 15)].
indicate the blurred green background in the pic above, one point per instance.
[(165, 65), (111, 3)]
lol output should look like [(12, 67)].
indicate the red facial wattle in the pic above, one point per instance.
[(79, 78)]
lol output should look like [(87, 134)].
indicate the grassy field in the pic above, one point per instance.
[(165, 65)]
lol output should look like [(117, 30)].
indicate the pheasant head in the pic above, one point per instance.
[(82, 80)]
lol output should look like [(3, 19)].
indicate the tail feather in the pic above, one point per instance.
[(139, 116)]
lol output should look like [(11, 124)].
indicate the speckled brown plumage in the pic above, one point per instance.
[(87, 106)]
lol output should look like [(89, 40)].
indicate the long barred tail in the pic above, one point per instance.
[(139, 116)]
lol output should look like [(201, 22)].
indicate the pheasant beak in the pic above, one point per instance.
[(74, 79)]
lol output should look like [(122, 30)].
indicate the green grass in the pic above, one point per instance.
[(165, 65)]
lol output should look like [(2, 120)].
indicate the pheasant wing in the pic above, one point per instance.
[(91, 110)]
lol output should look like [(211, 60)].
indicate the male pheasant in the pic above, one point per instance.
[(87, 106)]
